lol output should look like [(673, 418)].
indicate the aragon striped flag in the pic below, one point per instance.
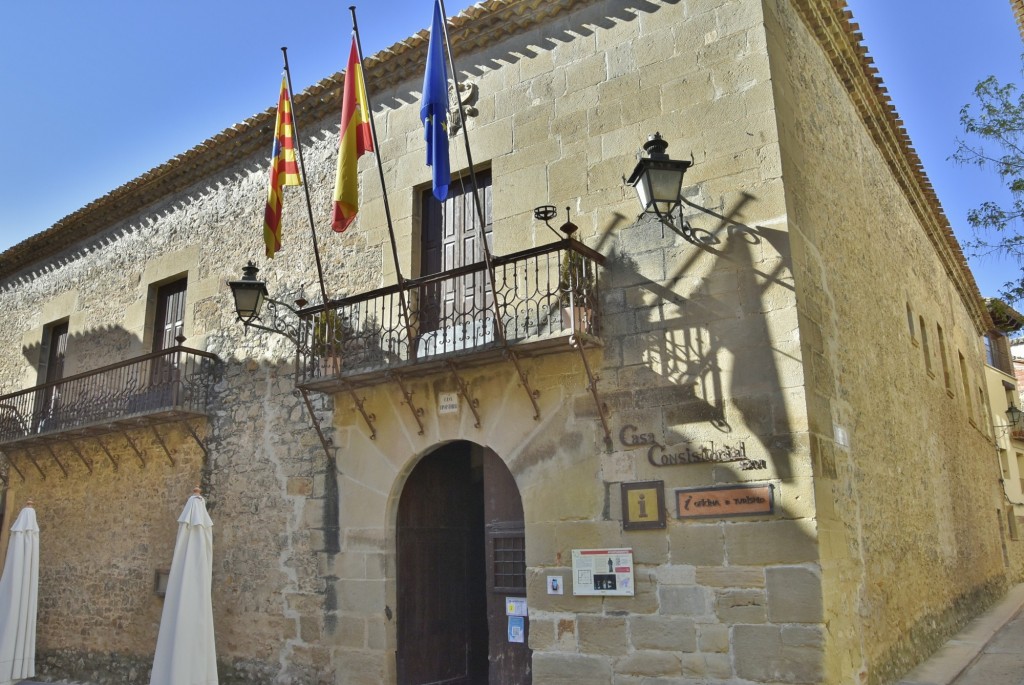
[(355, 138), (284, 171)]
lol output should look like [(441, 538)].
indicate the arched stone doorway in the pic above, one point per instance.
[(461, 554)]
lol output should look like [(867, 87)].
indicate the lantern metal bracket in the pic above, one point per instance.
[(682, 228), (278, 324)]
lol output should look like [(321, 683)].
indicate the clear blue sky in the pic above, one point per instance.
[(97, 93)]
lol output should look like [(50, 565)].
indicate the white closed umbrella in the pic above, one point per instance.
[(19, 589), (185, 649)]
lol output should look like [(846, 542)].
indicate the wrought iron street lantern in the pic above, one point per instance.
[(249, 294), (1013, 414), (658, 181)]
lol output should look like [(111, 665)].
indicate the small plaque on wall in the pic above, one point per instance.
[(643, 505), (726, 500)]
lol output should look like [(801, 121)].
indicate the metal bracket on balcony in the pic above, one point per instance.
[(464, 391), (135, 448), (325, 442), (54, 455), (10, 462), (416, 412), (106, 452), (35, 463), (81, 457), (195, 436), (160, 439), (532, 394), (369, 418), (592, 380)]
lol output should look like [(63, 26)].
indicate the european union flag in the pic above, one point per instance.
[(434, 106)]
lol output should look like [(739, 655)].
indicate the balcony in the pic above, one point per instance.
[(542, 300), (172, 385)]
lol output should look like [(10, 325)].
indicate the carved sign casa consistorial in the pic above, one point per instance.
[(687, 452)]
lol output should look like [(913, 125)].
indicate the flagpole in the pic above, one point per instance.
[(377, 151), (305, 179), (380, 172), (499, 325)]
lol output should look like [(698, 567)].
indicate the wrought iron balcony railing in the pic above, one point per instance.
[(169, 385), (541, 297)]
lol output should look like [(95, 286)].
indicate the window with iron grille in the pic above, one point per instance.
[(508, 557)]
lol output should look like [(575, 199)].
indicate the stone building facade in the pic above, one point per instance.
[(801, 380)]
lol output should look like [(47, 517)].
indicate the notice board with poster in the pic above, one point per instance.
[(607, 572)]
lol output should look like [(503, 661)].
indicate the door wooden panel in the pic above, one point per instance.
[(452, 235), (509, 662), (461, 552), (169, 321), (441, 591), (53, 353), (168, 324)]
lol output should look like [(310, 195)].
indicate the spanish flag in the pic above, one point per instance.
[(284, 171), (355, 138)]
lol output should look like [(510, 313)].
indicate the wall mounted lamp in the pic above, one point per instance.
[(1013, 416), (250, 294), (658, 181)]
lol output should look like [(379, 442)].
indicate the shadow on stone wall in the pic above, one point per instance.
[(706, 330)]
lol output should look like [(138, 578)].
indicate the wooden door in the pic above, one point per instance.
[(452, 238), (48, 415), (169, 321), (442, 637), (509, 662), (461, 553)]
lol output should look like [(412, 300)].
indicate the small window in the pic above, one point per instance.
[(924, 346), (947, 377), (508, 560), (910, 323), (967, 385), (981, 405)]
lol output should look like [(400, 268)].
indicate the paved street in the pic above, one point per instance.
[(989, 651), (1002, 660)]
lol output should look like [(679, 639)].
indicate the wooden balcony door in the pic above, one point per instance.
[(461, 554), (168, 324), (54, 350), (453, 237)]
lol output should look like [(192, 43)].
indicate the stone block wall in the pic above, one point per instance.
[(903, 467), (761, 337)]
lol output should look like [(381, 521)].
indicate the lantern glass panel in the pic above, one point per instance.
[(248, 300)]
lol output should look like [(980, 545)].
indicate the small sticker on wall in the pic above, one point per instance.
[(515, 606), (516, 629), (555, 585)]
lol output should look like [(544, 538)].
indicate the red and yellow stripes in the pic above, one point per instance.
[(355, 139), (284, 170)]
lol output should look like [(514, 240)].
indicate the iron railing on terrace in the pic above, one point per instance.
[(544, 296), (173, 384)]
